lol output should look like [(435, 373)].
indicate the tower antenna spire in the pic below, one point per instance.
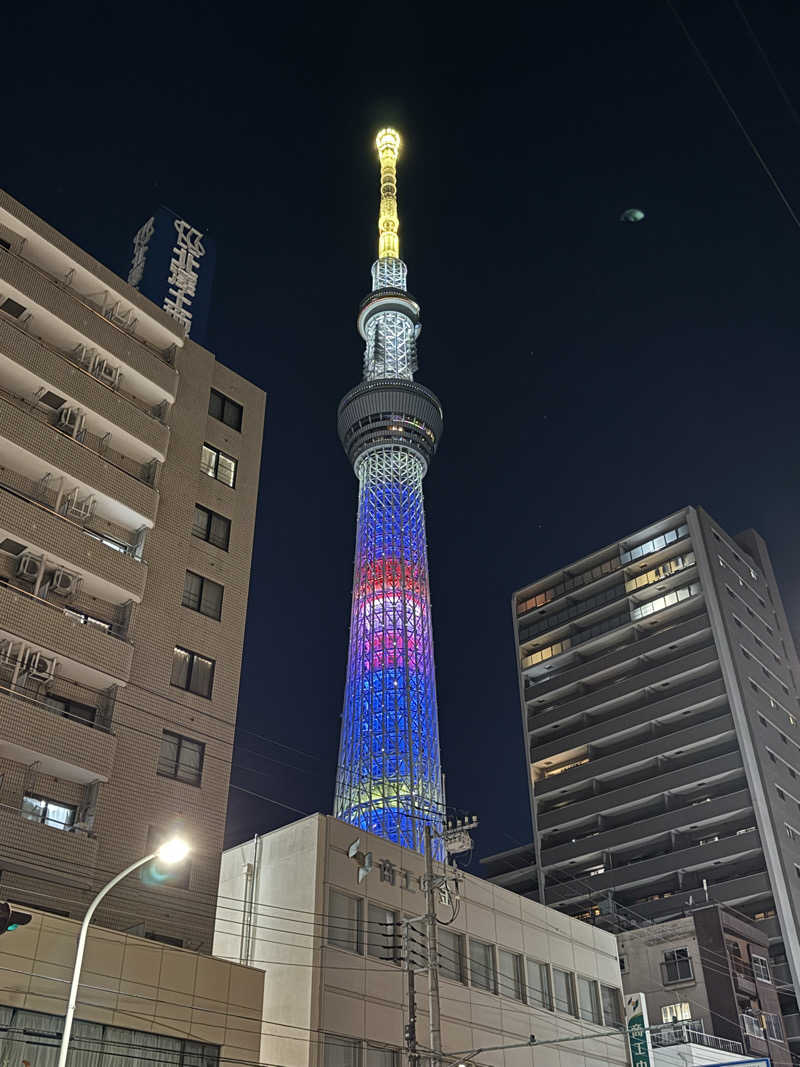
[(388, 144)]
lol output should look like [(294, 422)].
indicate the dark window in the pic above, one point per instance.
[(677, 966), (192, 672), (176, 875), (218, 465), (203, 595), (165, 939), (5, 244), (11, 307), (12, 547), (226, 410), (52, 400), (71, 709), (50, 812), (181, 758), (211, 527)]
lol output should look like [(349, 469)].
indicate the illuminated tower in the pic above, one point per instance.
[(389, 779)]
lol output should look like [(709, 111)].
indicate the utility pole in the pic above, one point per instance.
[(433, 954), (411, 1027)]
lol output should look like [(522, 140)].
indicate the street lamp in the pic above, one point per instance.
[(171, 852)]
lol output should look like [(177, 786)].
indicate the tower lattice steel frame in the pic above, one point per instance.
[(389, 778)]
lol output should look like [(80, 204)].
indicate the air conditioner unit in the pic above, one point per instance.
[(64, 583), (78, 507), (39, 667), (29, 567), (108, 373), (71, 421)]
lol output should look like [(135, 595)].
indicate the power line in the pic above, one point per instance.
[(773, 74), (733, 112)]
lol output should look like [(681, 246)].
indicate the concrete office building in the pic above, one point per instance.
[(137, 1001), (659, 690), (129, 465), (336, 992), (708, 982)]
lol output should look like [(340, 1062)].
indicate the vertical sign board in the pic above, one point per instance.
[(173, 265), (638, 1031)]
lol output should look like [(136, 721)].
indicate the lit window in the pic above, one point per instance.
[(676, 1013), (382, 939), (761, 968), (192, 672), (48, 812), (218, 465), (226, 410), (751, 1026)]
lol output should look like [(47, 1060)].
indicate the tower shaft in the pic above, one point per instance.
[(389, 776)]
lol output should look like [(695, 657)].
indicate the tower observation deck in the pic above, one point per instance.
[(389, 778)]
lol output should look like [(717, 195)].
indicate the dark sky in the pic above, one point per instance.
[(594, 375)]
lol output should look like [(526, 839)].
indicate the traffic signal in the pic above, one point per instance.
[(10, 920)]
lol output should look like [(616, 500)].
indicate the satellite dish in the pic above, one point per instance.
[(633, 214)]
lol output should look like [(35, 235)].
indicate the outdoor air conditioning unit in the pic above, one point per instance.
[(29, 567), (39, 667), (78, 507), (64, 583), (71, 421), (107, 373)]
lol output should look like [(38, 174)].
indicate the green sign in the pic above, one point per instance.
[(638, 1031)]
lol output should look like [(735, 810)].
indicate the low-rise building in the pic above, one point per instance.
[(335, 958), (707, 975), (139, 1001)]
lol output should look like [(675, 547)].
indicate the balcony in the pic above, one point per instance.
[(67, 634), (69, 372), (88, 320), (70, 852), (743, 978), (42, 530), (126, 498), (58, 744), (692, 1033)]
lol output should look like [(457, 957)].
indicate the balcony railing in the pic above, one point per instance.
[(63, 698), (691, 1033), (118, 627)]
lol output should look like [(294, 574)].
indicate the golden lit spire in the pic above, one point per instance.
[(388, 144)]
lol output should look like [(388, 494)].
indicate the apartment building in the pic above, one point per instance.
[(709, 982), (129, 466), (336, 992), (658, 685)]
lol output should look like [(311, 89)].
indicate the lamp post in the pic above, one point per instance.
[(171, 852)]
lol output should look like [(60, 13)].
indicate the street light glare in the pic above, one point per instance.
[(173, 851)]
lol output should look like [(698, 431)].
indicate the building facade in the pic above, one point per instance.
[(658, 683), (336, 988), (389, 778), (129, 465), (137, 1001), (708, 981)]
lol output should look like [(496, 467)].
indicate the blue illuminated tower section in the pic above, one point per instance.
[(389, 778)]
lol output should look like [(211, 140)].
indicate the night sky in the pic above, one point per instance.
[(594, 375)]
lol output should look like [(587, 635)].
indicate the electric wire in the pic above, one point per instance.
[(766, 60)]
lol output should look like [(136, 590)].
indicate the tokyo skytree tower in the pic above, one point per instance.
[(389, 778)]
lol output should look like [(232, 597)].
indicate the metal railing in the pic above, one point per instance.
[(691, 1033)]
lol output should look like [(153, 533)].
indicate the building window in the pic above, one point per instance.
[(481, 966), (751, 1026), (341, 1051), (344, 922), (382, 940), (510, 977), (451, 955), (48, 812), (218, 465), (71, 709), (381, 1056), (164, 939), (226, 410), (192, 672), (623, 965), (677, 966), (211, 527), (761, 968), (564, 990), (676, 1013), (181, 758), (176, 875), (203, 595), (540, 993), (612, 1006), (772, 1024), (589, 1001)]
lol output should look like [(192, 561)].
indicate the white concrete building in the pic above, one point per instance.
[(290, 903)]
